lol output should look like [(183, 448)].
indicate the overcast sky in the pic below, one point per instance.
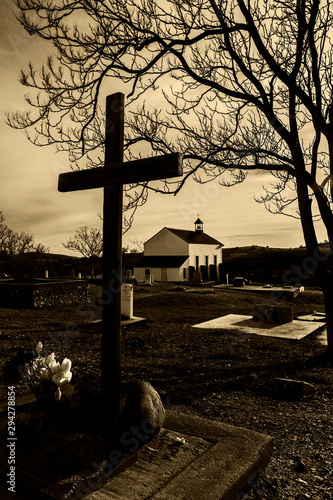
[(30, 201)]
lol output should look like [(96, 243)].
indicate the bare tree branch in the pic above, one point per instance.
[(235, 86), (89, 243)]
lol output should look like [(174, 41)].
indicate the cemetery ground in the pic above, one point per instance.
[(212, 374)]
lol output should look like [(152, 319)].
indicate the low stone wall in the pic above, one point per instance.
[(42, 293)]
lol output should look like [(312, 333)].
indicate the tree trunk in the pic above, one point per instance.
[(323, 273), (328, 298)]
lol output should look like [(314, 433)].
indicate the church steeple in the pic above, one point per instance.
[(198, 226)]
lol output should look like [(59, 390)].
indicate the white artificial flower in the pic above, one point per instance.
[(66, 365), (58, 394), (38, 363), (61, 378), (68, 376), (39, 347), (55, 367), (44, 375), (50, 358), (45, 368), (56, 378), (63, 381)]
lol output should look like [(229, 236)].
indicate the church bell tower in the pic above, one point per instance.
[(198, 226)]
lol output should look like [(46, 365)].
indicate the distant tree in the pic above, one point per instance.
[(244, 86), (20, 254), (3, 229), (138, 246), (89, 243)]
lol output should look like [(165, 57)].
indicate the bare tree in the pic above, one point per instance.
[(3, 229), (88, 242), (138, 246), (241, 86), (20, 254)]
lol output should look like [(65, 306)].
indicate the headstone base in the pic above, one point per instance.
[(238, 281), (273, 313)]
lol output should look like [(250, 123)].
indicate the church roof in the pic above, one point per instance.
[(195, 237), (161, 261)]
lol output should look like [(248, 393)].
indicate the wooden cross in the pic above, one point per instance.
[(111, 177)]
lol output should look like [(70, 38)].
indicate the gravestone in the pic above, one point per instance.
[(46, 274), (273, 313), (148, 279), (111, 177), (129, 274), (127, 301), (72, 274), (238, 281)]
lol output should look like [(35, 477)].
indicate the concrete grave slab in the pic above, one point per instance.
[(199, 290), (97, 323), (191, 458), (274, 291), (295, 330), (322, 337), (316, 316), (132, 321)]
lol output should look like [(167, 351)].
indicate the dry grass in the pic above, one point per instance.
[(212, 374)]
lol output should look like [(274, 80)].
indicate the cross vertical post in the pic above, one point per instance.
[(112, 262), (112, 177)]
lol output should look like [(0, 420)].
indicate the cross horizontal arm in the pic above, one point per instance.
[(147, 169)]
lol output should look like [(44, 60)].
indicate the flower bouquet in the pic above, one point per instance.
[(45, 377)]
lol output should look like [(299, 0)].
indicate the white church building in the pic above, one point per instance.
[(174, 254)]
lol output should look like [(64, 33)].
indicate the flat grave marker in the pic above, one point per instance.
[(274, 291), (294, 330)]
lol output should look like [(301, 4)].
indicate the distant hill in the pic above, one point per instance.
[(269, 265), (55, 256)]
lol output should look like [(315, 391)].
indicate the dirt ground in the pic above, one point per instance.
[(213, 374)]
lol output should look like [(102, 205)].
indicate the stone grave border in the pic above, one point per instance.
[(42, 293)]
